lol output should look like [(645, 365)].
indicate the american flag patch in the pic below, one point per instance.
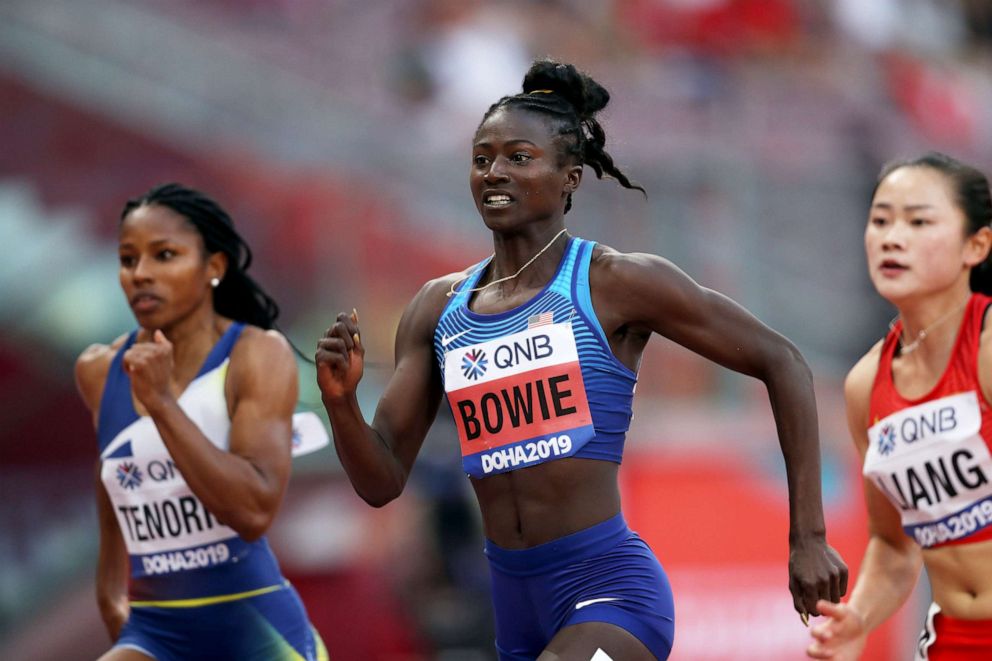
[(542, 319)]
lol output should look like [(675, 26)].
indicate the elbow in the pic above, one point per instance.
[(377, 501), (788, 364), (792, 356), (250, 526), (253, 533), (382, 495)]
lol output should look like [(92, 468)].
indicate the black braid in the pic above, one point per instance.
[(571, 99), (237, 296)]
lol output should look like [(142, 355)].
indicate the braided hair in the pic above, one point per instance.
[(237, 296), (570, 99), (970, 188)]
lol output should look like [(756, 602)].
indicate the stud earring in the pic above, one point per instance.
[(214, 282)]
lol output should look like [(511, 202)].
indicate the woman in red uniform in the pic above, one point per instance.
[(918, 408)]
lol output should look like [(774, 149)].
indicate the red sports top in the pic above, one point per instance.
[(931, 456)]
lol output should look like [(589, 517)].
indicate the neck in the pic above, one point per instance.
[(545, 248), (930, 327), (923, 314), (193, 336)]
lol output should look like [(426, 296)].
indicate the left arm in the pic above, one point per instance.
[(637, 294), (243, 486)]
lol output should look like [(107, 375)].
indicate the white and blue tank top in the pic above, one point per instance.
[(178, 550), (535, 383)]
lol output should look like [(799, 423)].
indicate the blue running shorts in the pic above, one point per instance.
[(266, 624), (605, 573)]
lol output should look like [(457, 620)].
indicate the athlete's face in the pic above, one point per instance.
[(916, 239), (164, 270), (516, 175)]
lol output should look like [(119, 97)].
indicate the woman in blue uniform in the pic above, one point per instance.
[(537, 350), (193, 413)]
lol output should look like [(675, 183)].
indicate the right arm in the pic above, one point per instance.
[(892, 560), (112, 562), (112, 565), (378, 457)]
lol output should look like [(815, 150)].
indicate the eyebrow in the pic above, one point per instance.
[(518, 141), (156, 242), (908, 207)]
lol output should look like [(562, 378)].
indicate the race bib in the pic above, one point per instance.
[(933, 465), (519, 400)]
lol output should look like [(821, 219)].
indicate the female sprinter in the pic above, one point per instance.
[(193, 413), (537, 350), (918, 409)]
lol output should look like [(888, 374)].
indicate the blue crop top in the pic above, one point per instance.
[(535, 383), (178, 550)]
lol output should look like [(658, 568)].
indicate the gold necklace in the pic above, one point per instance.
[(922, 335), (451, 290)]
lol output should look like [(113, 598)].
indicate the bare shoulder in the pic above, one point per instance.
[(636, 284), (261, 349), (91, 370), (436, 291), (610, 263), (985, 339), (262, 367), (985, 359), (425, 308), (859, 382)]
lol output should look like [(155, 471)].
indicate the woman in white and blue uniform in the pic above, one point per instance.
[(537, 350), (193, 412)]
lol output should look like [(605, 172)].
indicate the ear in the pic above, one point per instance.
[(216, 266), (977, 247), (573, 177)]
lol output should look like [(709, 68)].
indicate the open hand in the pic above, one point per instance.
[(841, 637)]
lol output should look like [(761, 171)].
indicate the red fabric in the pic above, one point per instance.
[(961, 375), (727, 27), (960, 640)]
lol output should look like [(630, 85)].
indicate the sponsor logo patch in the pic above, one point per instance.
[(129, 475), (474, 364)]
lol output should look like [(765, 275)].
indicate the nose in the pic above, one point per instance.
[(894, 237), (496, 171), (142, 271)]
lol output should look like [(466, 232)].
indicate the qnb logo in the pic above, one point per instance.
[(886, 439), (474, 364), (129, 475)]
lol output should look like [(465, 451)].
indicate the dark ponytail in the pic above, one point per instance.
[(571, 99), (971, 193), (237, 296)]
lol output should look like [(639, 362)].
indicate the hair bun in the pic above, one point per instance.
[(585, 94)]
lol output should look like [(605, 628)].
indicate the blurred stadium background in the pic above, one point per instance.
[(337, 133)]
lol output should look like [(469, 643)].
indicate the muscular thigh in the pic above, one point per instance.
[(582, 642)]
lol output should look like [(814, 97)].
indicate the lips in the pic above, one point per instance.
[(891, 267), (145, 302), (496, 200)]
